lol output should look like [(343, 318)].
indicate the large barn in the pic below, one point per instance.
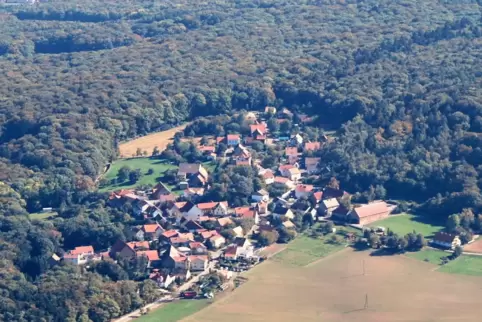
[(369, 213)]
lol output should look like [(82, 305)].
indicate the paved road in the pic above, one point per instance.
[(165, 299)]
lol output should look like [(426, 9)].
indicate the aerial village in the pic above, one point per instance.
[(182, 236)]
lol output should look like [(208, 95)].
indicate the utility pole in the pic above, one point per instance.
[(366, 301)]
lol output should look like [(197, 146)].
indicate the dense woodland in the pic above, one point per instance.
[(398, 80)]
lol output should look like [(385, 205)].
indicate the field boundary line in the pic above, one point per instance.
[(329, 255)]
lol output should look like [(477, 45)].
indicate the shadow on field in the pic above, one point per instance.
[(384, 252)]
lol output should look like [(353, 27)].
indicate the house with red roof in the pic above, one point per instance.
[(291, 154), (284, 181), (208, 234), (284, 168), (247, 212), (81, 255), (219, 209), (151, 255), (233, 139), (311, 146), (268, 176), (198, 248), (317, 197), (82, 250), (152, 231), (258, 129), (303, 190)]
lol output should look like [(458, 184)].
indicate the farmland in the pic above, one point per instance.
[(159, 167), (465, 265), (475, 247), (428, 255), (407, 223), (305, 250), (335, 288), (148, 142), (174, 311)]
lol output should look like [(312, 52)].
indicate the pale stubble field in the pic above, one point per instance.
[(335, 289)]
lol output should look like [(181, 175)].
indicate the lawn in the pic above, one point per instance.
[(407, 223), (304, 250), (159, 167), (432, 256), (465, 265), (43, 215), (174, 311)]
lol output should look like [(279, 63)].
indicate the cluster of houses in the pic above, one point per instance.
[(175, 240)]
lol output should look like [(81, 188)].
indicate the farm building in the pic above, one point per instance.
[(446, 240), (369, 213)]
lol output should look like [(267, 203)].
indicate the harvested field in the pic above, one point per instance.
[(148, 142), (475, 247), (334, 289)]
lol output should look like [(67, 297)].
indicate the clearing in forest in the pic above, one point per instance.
[(393, 288), (158, 166), (407, 223), (148, 142)]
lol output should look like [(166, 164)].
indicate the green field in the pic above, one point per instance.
[(304, 250), (42, 216), (174, 311), (465, 265), (159, 167), (407, 223), (432, 256)]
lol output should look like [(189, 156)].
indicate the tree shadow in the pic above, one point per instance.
[(384, 252), (427, 220)]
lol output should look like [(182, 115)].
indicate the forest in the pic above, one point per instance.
[(400, 82)]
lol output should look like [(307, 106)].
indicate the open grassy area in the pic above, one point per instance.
[(174, 311), (407, 223), (42, 215), (304, 250), (465, 265), (432, 256), (159, 167)]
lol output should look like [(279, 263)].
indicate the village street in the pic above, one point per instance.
[(165, 298)]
